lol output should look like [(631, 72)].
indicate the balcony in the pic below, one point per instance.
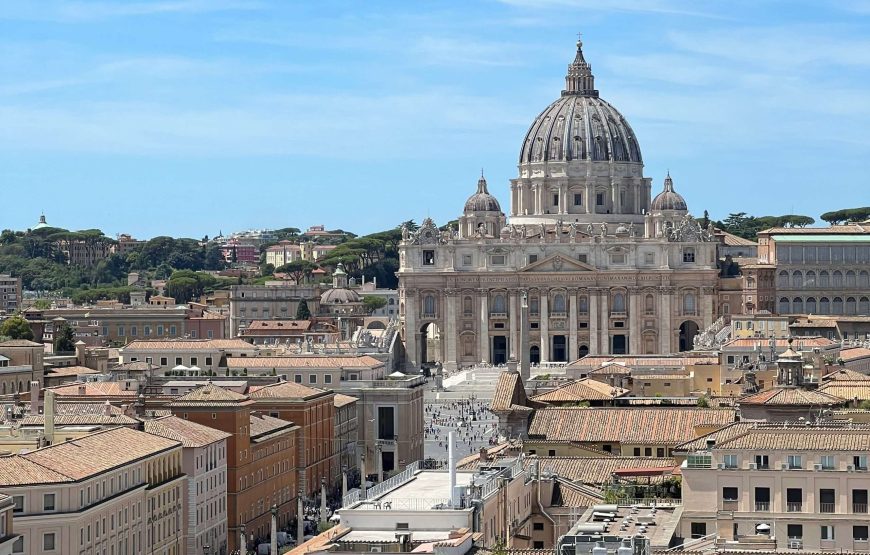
[(729, 504), (762, 506), (498, 315), (617, 314), (859, 508), (826, 507), (559, 314), (794, 507)]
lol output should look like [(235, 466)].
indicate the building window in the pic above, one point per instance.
[(327, 378), (689, 303), (297, 378), (147, 331), (497, 260), (133, 331), (533, 258), (729, 494), (312, 378), (578, 199), (860, 533), (537, 526), (466, 260), (699, 530), (618, 303), (48, 541), (795, 462), (160, 330), (689, 255), (429, 305), (18, 501), (48, 502), (172, 331), (428, 258), (599, 199), (860, 462), (164, 361), (827, 462), (18, 545), (795, 531), (649, 258), (555, 199), (537, 544), (194, 361), (730, 461)]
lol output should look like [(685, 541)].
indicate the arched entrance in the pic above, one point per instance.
[(430, 344), (688, 331), (584, 350), (534, 354), (376, 325)]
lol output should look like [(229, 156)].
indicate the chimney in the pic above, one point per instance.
[(484, 454), (83, 390), (34, 397), (107, 408), (49, 416)]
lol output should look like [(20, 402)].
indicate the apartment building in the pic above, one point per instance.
[(207, 355), (118, 490), (204, 461), (265, 302), (260, 458), (781, 487), (21, 361), (8, 537), (346, 434), (10, 294), (313, 370)]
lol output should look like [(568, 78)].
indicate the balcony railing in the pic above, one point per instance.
[(794, 507), (729, 504), (558, 314), (762, 506), (498, 315), (859, 508), (826, 507)]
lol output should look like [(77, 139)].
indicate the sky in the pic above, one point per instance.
[(190, 117)]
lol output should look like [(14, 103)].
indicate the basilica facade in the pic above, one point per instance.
[(588, 262)]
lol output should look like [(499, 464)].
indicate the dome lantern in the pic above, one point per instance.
[(579, 80)]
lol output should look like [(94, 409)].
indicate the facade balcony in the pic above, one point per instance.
[(762, 506), (826, 507), (618, 313), (859, 508), (498, 315), (794, 507), (560, 314), (729, 504)]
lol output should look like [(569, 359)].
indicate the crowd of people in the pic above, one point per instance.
[(473, 424)]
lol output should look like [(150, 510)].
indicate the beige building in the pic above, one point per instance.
[(265, 302), (10, 294), (205, 354), (117, 490), (780, 487), (21, 361), (204, 461), (602, 266)]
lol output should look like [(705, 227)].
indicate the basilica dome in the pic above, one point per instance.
[(482, 201), (669, 199), (580, 125)]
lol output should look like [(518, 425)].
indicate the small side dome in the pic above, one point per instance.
[(339, 296), (669, 199), (482, 201)]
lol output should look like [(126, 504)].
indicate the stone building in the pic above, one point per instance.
[(602, 267)]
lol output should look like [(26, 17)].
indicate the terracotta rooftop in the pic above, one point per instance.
[(284, 390), (764, 343), (727, 432), (856, 389), (93, 389), (732, 240), (510, 394), (660, 376), (19, 343), (568, 494), (188, 345), (83, 414), (80, 458), (190, 434), (790, 396), (585, 389), (809, 438), (832, 230), (138, 366), (854, 353), (331, 362), (263, 424), (642, 426), (342, 400), (635, 360), (69, 371), (845, 374), (258, 326), (596, 470), (209, 395)]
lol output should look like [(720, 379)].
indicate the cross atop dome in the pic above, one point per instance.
[(579, 80)]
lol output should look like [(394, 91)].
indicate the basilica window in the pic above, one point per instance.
[(497, 260), (689, 305), (797, 280), (555, 199), (838, 279), (851, 306), (578, 199), (429, 305), (863, 305), (837, 305), (783, 280), (599, 199), (797, 305), (467, 309), (851, 280), (466, 260), (824, 279), (864, 279), (428, 258), (689, 255), (583, 305), (810, 306), (649, 304), (810, 279), (824, 305), (649, 258), (618, 303), (559, 303), (533, 258), (498, 305), (533, 306)]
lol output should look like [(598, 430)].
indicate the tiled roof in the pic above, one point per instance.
[(332, 361), (93, 389), (660, 377), (79, 458), (854, 353), (342, 400), (845, 374), (263, 424), (209, 395), (190, 434), (19, 343), (69, 371), (188, 345), (749, 342), (139, 365), (581, 390), (643, 426), (258, 326), (638, 361), (284, 390), (569, 494), (832, 230), (727, 432), (510, 394), (808, 439), (596, 470), (732, 240), (790, 396), (83, 414), (856, 389)]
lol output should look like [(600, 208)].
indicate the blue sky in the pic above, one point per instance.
[(186, 117)]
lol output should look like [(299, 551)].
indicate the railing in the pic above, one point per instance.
[(729, 504), (498, 315), (795, 543), (618, 313), (859, 508), (412, 504), (400, 478), (762, 506), (826, 507), (558, 314), (352, 497), (794, 507), (650, 501)]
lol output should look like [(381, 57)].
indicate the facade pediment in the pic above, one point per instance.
[(558, 263)]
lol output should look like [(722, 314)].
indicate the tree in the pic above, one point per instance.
[(373, 302), (16, 327), (847, 215), (302, 312), (64, 339), (298, 269)]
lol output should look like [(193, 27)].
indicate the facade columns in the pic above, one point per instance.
[(412, 334), (666, 325), (590, 198), (483, 346), (593, 321), (545, 326), (604, 334), (573, 351), (707, 299), (450, 330), (513, 314), (634, 339)]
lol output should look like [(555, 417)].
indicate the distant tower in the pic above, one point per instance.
[(790, 367)]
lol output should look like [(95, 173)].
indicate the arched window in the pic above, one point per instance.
[(533, 306), (838, 279), (864, 279), (824, 306), (851, 279), (467, 304), (851, 306), (583, 305), (689, 305), (824, 279), (810, 305), (797, 279), (618, 302), (783, 280), (784, 306), (864, 306), (837, 305), (498, 304), (391, 301), (429, 305), (649, 304), (559, 303), (797, 305), (810, 279)]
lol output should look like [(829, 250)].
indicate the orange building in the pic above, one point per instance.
[(261, 458)]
